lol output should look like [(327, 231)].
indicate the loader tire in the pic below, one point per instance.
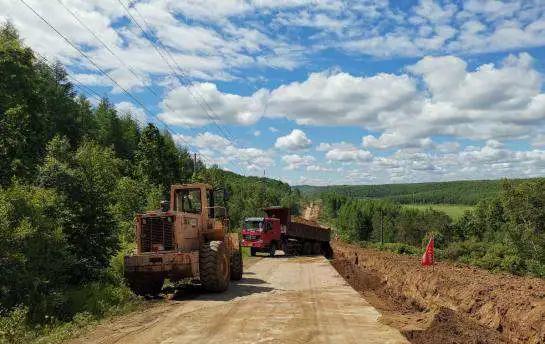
[(214, 268), (143, 285), (236, 266)]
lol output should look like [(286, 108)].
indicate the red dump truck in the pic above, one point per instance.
[(279, 231)]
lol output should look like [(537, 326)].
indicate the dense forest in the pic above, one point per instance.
[(468, 192), (72, 177), (503, 232)]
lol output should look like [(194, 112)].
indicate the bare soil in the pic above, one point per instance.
[(279, 300), (448, 303)]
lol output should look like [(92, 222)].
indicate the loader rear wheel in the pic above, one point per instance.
[(144, 285), (236, 266), (307, 248), (214, 266)]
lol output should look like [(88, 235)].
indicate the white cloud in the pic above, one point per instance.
[(433, 27), (336, 99), (296, 140), (273, 130), (191, 106), (222, 151), (348, 155), (493, 101), (137, 113), (295, 161), (257, 133)]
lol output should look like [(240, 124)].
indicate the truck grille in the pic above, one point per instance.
[(155, 232)]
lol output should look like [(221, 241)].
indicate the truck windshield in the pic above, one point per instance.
[(253, 224)]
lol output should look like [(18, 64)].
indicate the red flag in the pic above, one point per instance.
[(428, 257)]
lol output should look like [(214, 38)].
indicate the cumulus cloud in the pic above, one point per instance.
[(199, 50), (344, 152), (342, 99), (437, 96), (296, 140), (218, 150), (491, 102), (295, 161), (192, 106)]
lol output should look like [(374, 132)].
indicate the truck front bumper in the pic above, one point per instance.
[(175, 265), (255, 244)]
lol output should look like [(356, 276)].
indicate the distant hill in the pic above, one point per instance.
[(455, 192)]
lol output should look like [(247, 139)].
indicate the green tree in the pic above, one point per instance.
[(86, 179)]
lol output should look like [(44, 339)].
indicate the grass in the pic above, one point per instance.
[(455, 211)]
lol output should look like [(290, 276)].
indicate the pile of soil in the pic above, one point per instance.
[(448, 303)]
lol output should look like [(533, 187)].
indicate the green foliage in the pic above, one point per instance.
[(455, 211), (72, 178), (501, 233), (35, 259), (456, 192), (159, 161), (13, 328)]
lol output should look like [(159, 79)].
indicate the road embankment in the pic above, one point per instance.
[(448, 303)]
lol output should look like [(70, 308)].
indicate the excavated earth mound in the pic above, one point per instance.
[(448, 303)]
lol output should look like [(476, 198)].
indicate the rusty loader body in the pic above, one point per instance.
[(186, 239)]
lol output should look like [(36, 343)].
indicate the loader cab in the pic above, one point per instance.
[(200, 214)]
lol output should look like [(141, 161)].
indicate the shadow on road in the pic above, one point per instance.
[(246, 286)]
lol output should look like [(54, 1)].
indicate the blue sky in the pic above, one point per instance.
[(319, 91)]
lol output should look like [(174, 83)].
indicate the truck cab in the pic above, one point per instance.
[(262, 234)]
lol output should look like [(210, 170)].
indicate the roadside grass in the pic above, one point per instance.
[(246, 252), (455, 211)]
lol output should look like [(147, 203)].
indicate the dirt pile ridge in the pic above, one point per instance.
[(449, 303)]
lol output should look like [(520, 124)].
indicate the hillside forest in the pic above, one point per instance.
[(504, 231), (72, 177)]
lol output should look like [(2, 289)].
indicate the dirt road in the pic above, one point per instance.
[(279, 300)]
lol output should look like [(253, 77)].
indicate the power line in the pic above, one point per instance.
[(99, 97), (214, 117), (131, 70), (99, 68), (113, 54), (183, 79)]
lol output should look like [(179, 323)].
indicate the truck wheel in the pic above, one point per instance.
[(316, 248), (285, 249), (272, 249), (307, 248), (327, 250), (143, 285), (236, 266), (252, 252), (214, 266)]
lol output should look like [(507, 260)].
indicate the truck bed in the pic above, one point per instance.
[(308, 230)]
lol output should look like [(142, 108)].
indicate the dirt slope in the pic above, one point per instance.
[(447, 304), (279, 300)]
